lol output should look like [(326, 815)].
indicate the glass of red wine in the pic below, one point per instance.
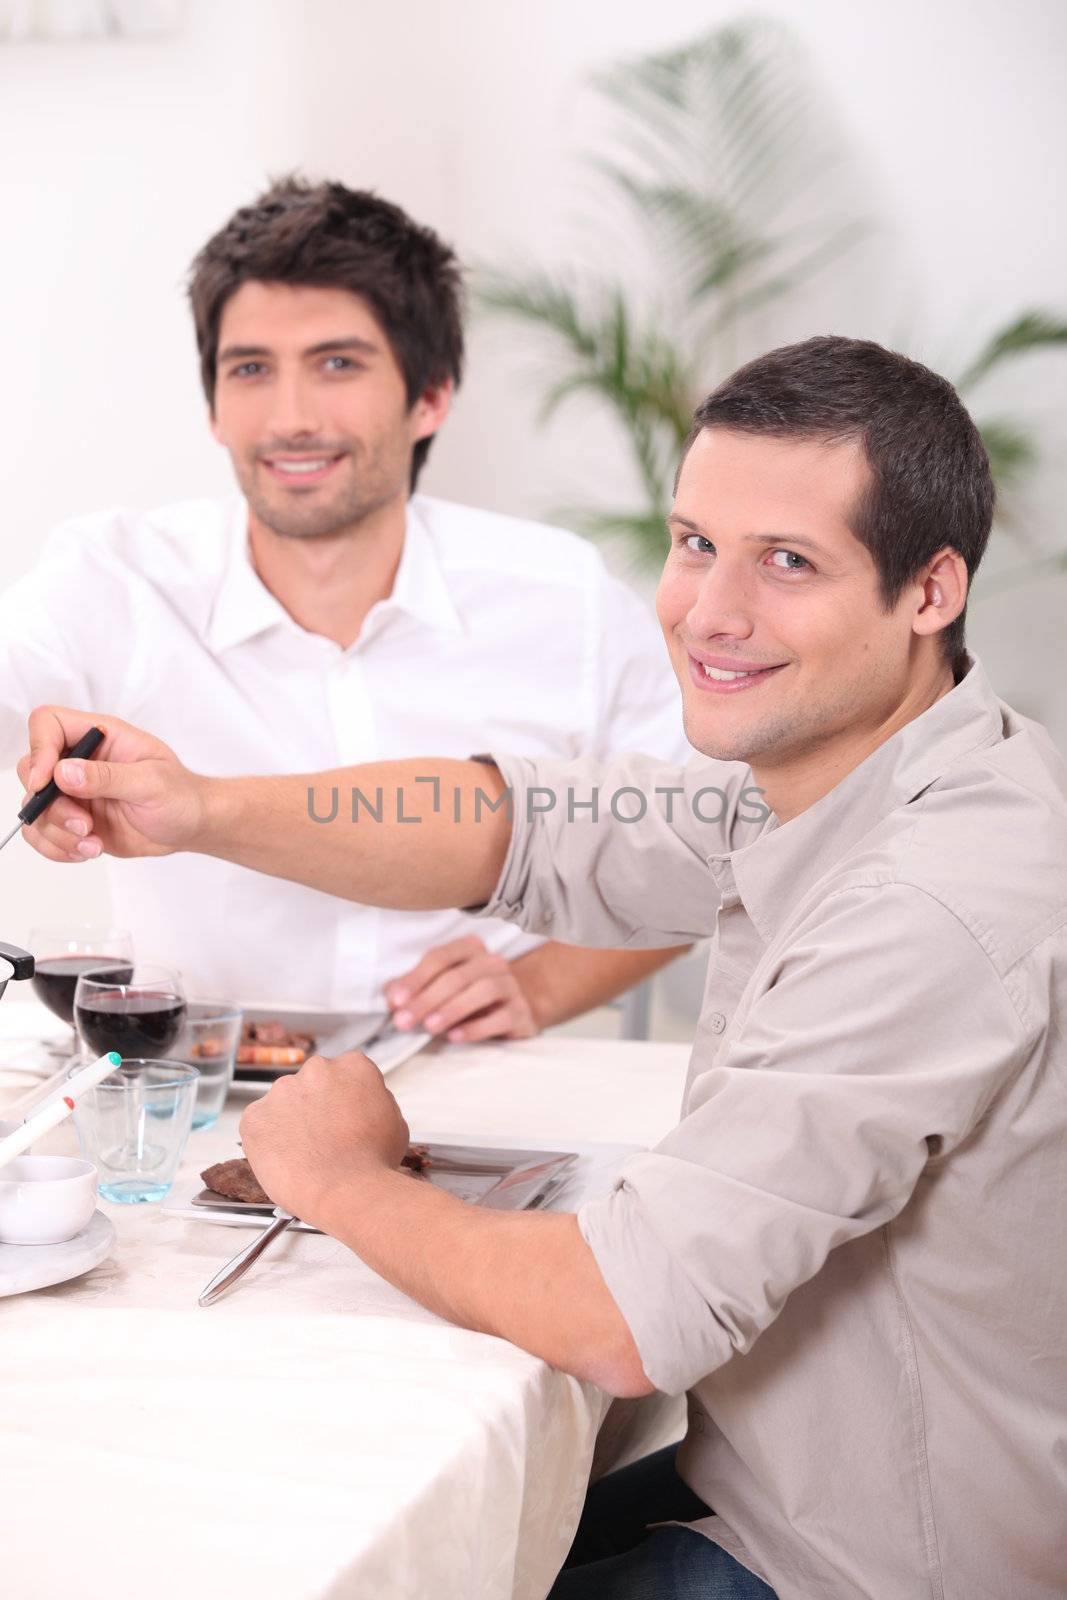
[(62, 953), (138, 1012)]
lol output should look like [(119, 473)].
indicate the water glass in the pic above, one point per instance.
[(134, 1125), (208, 1041)]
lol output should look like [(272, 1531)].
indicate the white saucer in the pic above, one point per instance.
[(35, 1266)]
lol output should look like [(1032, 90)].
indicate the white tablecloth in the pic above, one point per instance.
[(315, 1434)]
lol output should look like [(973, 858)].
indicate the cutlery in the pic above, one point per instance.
[(224, 1280), (51, 791)]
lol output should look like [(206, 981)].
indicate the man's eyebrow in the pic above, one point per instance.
[(798, 539), (249, 352), (788, 538), (327, 347)]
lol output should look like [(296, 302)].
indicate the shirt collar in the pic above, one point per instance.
[(244, 607), (420, 588), (778, 868)]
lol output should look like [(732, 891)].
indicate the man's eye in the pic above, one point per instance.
[(247, 369), (788, 561), (698, 543), (338, 363)]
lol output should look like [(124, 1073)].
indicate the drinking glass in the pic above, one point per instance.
[(208, 1041), (140, 1017), (134, 1125), (63, 952)]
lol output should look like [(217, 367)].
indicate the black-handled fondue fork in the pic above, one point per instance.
[(44, 797)]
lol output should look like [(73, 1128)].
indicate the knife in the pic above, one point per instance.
[(224, 1280)]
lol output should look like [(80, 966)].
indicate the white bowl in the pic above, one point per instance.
[(45, 1199)]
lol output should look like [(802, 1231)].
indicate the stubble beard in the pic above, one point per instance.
[(778, 737), (296, 516)]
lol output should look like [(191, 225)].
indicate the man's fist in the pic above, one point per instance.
[(320, 1126)]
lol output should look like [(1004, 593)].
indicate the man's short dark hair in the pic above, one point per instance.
[(325, 235), (930, 483)]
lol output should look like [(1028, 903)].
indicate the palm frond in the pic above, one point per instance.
[(632, 369), (719, 138), (537, 298), (1010, 449), (725, 166), (645, 531), (1031, 330)]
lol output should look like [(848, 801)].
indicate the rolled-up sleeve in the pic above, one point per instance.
[(616, 854), (874, 1047)]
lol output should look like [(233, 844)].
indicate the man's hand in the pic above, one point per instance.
[(326, 1143), (134, 798), (464, 991), (319, 1128)]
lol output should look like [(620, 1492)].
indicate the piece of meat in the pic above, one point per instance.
[(235, 1180)]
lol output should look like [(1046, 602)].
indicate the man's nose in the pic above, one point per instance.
[(294, 412), (723, 603)]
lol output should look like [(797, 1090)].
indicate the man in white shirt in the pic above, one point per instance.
[(328, 617)]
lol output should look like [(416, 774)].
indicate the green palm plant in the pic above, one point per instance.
[(723, 176), (1010, 446), (728, 181)]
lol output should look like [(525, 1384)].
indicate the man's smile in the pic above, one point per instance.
[(302, 470), (728, 674)]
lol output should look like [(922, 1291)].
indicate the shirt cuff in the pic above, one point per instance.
[(676, 1334), (506, 899)]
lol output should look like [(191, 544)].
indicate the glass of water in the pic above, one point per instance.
[(208, 1041), (134, 1125)]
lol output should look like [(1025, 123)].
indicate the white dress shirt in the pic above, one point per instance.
[(499, 633)]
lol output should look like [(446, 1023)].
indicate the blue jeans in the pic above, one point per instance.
[(615, 1557)]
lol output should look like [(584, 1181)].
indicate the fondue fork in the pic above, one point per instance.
[(51, 791)]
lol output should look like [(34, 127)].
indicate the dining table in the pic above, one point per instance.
[(316, 1434)]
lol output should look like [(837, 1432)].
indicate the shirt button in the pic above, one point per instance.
[(716, 1022)]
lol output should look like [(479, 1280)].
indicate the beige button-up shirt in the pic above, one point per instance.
[(852, 1251)]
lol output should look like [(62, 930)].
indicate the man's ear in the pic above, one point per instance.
[(431, 409), (942, 592)]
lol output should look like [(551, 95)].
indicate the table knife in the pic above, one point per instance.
[(224, 1280)]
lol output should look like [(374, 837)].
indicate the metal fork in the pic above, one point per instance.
[(224, 1280)]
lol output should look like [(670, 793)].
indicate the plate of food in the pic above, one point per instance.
[(500, 1179), (276, 1039)]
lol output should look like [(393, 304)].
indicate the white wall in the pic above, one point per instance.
[(118, 159)]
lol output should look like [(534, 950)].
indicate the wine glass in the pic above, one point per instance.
[(138, 1012), (62, 953)]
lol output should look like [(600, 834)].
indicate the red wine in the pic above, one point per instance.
[(132, 1024), (56, 979)]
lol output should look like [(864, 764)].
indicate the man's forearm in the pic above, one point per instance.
[(528, 1278), (561, 981), (415, 835)]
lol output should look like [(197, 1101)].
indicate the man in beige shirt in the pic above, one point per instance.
[(850, 1251)]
